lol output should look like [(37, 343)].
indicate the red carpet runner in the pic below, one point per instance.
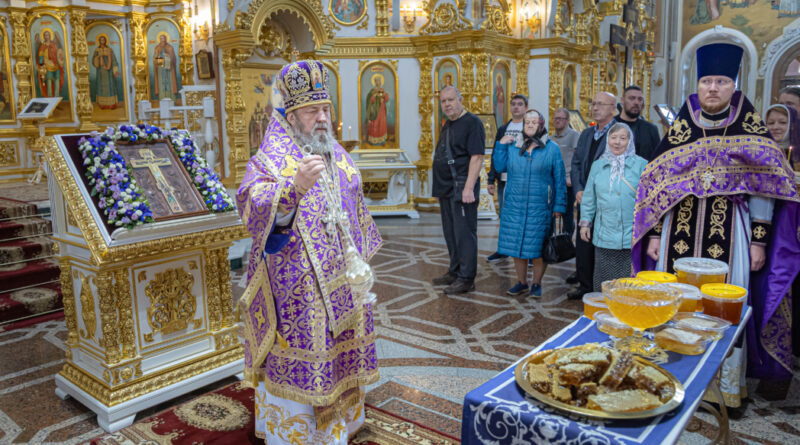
[(29, 274), (225, 416)]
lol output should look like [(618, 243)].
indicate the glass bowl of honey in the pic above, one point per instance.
[(641, 305), (724, 301), (593, 302), (691, 298), (700, 271)]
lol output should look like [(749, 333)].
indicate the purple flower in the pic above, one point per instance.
[(104, 155), (198, 179), (135, 216), (125, 220)]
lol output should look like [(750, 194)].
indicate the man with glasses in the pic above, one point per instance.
[(590, 146), (567, 139), (645, 134), (519, 104), (710, 192)]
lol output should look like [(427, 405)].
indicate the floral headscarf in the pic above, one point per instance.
[(618, 161)]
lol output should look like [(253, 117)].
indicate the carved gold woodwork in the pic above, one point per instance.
[(108, 317), (522, 76), (273, 40), (172, 305), (88, 314), (122, 288), (497, 19), (556, 84), (426, 107), (183, 17), (80, 58), (381, 18), (21, 53), (467, 81), (483, 87), (311, 12), (8, 154), (195, 116), (444, 17), (139, 55), (68, 297)]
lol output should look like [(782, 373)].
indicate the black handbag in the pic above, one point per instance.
[(558, 246)]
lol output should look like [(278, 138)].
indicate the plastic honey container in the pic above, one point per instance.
[(593, 302), (658, 277), (712, 327), (724, 301), (691, 298), (680, 340), (700, 271), (611, 325)]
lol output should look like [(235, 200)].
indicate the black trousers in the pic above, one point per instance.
[(584, 261), (460, 227)]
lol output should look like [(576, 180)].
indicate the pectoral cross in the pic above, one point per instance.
[(149, 160), (708, 178)]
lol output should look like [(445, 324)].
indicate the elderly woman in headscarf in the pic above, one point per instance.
[(773, 332), (536, 193), (606, 218)]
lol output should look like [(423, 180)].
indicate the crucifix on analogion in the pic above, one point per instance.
[(149, 160)]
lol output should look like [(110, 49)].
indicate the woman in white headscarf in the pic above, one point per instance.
[(607, 207)]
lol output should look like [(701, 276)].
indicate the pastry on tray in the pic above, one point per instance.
[(599, 378)]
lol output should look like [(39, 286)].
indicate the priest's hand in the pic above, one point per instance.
[(652, 248), (310, 169), (586, 234), (758, 255)]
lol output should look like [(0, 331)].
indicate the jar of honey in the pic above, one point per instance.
[(658, 277), (724, 301), (700, 271), (593, 302), (691, 298)]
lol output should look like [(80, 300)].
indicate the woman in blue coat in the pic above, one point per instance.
[(607, 205), (536, 192)]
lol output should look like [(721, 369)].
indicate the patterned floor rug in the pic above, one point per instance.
[(225, 416)]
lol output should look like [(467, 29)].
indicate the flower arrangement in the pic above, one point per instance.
[(120, 198)]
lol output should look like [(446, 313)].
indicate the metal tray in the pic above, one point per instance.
[(521, 374)]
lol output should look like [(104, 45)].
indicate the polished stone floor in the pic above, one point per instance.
[(433, 348)]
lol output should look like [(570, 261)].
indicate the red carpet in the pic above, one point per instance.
[(29, 274), (225, 416)]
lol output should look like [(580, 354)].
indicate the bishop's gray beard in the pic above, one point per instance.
[(320, 143)]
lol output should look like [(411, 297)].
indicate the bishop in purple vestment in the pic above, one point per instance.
[(309, 339)]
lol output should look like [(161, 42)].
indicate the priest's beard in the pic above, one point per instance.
[(714, 109), (320, 143)]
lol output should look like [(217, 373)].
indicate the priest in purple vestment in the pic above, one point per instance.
[(307, 315), (711, 188)]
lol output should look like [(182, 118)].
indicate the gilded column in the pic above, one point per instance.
[(235, 125), (108, 317), (483, 90), (522, 75), (80, 57), (426, 98), (587, 90), (185, 52), (467, 83), (68, 297), (122, 287), (213, 288), (139, 56), (556, 81), (225, 290), (382, 18), (21, 53)]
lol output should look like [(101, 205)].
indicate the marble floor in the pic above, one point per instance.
[(432, 348)]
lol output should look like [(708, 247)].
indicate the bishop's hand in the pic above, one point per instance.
[(310, 169), (653, 246)]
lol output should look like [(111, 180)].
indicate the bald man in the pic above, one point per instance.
[(590, 146)]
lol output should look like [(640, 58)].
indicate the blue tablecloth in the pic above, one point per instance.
[(500, 412)]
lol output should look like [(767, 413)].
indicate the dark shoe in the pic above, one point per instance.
[(577, 293), (518, 288), (495, 257), (572, 278), (460, 286), (445, 280), (536, 290)]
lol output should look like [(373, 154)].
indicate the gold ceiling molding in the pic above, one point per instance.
[(310, 12), (445, 17)]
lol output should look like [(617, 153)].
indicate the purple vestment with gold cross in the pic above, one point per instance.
[(307, 336)]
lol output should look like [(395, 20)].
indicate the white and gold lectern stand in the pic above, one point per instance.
[(149, 311)]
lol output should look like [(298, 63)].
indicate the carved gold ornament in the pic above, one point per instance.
[(87, 309), (8, 154), (445, 18), (496, 20), (753, 123), (172, 304), (679, 132)]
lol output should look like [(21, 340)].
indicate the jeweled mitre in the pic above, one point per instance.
[(303, 83)]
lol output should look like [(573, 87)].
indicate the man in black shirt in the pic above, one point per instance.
[(591, 144), (645, 134), (456, 165)]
